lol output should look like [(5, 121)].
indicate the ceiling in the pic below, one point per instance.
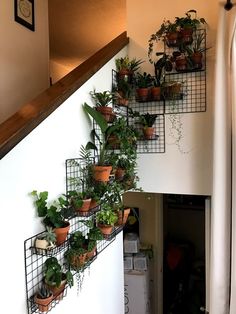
[(78, 28)]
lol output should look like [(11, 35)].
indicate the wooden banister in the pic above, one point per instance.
[(30, 115)]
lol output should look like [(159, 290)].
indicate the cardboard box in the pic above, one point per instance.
[(131, 243), (128, 262), (137, 296), (140, 262)]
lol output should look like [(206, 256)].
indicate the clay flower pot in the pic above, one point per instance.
[(106, 112), (172, 39), (105, 229), (102, 173), (196, 58), (142, 94), (186, 35), (123, 216), (148, 132), (44, 305), (85, 206), (61, 233), (57, 291), (156, 93), (119, 174)]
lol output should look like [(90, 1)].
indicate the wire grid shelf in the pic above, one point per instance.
[(34, 261), (193, 95), (157, 143)]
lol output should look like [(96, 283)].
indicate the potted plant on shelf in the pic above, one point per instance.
[(148, 120), (45, 241), (102, 102), (54, 215), (106, 218), (143, 82), (123, 92), (126, 67), (43, 298), (172, 90), (188, 24), (80, 201), (195, 51), (54, 277), (76, 255), (94, 234), (163, 63), (168, 32), (102, 169)]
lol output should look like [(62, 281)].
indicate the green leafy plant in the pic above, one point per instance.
[(163, 63), (147, 119), (53, 215), (53, 274), (197, 45), (102, 99), (123, 89), (166, 27), (106, 216), (49, 236), (101, 137), (190, 20), (125, 63), (143, 80)]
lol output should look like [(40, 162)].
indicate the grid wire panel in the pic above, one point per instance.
[(34, 272), (157, 143), (193, 81), (193, 93)]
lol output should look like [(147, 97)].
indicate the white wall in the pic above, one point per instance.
[(38, 162), (24, 58), (176, 172)]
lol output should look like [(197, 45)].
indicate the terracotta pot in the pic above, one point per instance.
[(156, 93), (148, 132), (172, 39), (78, 261), (85, 206), (123, 216), (123, 102), (106, 112), (57, 291), (92, 253), (102, 173), (186, 35), (125, 74), (119, 174), (142, 94), (44, 305), (105, 229), (197, 60), (181, 64), (61, 233), (93, 204)]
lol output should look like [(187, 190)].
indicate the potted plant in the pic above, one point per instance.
[(102, 169), (143, 82), (81, 200), (94, 234), (76, 255), (45, 240), (43, 298), (195, 51), (168, 32), (55, 278), (106, 218), (189, 23), (123, 92), (102, 100), (126, 67), (163, 63), (54, 215), (148, 120)]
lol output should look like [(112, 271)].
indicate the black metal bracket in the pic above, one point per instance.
[(228, 6)]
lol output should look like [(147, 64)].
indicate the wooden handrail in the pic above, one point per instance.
[(30, 115)]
